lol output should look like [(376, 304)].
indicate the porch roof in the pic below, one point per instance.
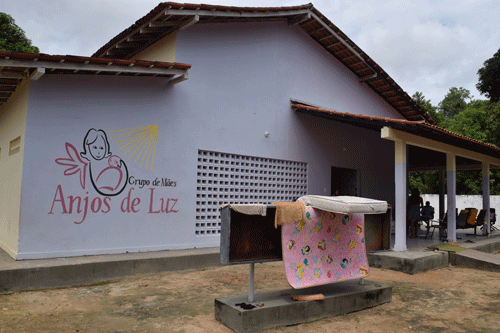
[(418, 128), (16, 67)]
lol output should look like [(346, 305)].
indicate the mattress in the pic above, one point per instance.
[(324, 248), (345, 204)]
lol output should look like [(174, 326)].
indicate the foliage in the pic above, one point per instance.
[(424, 181), (454, 102), (469, 182), (489, 78), (476, 119), (427, 106), (480, 120), (12, 37)]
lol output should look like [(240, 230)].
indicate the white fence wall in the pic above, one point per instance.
[(463, 201)]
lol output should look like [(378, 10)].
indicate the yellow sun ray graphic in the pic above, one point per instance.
[(141, 140)]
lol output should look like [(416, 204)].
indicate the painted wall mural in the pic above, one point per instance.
[(143, 139), (108, 173), (109, 176)]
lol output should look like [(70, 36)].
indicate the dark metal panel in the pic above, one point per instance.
[(378, 231), (249, 238)]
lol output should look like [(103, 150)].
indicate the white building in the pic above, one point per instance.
[(124, 151)]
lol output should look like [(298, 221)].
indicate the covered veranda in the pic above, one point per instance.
[(447, 152), (420, 145), (462, 235)]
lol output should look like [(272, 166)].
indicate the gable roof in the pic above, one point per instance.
[(15, 67), (169, 17)]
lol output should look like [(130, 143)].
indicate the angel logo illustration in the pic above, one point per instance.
[(108, 173)]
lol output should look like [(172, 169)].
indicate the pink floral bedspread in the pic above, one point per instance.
[(325, 248)]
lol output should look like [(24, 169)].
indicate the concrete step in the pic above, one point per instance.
[(409, 262), (65, 272), (476, 259)]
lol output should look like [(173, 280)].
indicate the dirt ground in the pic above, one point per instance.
[(453, 299)]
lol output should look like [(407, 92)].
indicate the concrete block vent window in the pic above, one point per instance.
[(225, 178)]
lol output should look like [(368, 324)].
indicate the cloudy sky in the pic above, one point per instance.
[(424, 45)]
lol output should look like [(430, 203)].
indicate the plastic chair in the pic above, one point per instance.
[(480, 220), (462, 219), (441, 224), (493, 219), (471, 219), (427, 217)]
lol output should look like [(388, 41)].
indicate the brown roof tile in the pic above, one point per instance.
[(15, 67), (88, 60), (306, 17), (420, 128)]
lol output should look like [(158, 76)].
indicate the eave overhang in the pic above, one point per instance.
[(17, 67), (169, 17), (397, 129)]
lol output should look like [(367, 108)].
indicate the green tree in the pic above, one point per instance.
[(468, 182), (454, 102), (489, 78), (480, 120), (12, 38), (427, 106), (427, 182)]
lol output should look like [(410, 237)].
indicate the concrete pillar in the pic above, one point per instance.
[(401, 191), (486, 196), (442, 173), (451, 177)]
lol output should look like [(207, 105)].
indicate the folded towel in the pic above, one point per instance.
[(287, 212), (248, 209)]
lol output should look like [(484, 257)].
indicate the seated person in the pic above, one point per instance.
[(427, 212), (413, 207)]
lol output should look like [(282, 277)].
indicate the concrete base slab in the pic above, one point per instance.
[(488, 245), (409, 262), (65, 272), (476, 259), (278, 309)]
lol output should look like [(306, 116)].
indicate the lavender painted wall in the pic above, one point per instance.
[(240, 86)]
